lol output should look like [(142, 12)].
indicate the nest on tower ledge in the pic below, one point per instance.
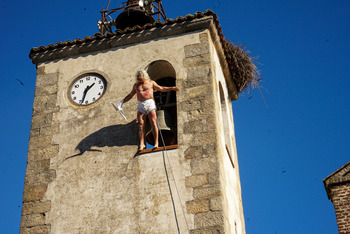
[(245, 73)]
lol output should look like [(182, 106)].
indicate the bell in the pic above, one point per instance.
[(133, 15), (164, 129)]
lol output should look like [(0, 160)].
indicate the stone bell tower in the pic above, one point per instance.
[(84, 174)]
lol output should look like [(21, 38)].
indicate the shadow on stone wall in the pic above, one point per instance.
[(115, 135)]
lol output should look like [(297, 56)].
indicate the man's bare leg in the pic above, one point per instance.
[(141, 119), (152, 117)]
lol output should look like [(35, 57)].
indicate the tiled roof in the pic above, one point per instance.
[(99, 37)]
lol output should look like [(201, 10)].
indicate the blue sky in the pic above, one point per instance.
[(286, 145)]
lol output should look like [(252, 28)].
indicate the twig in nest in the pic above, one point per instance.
[(245, 74)]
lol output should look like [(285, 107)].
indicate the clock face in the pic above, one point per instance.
[(87, 89)]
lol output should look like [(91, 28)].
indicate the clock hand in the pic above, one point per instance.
[(89, 87), (85, 91), (84, 94)]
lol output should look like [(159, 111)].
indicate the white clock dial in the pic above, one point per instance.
[(87, 89)]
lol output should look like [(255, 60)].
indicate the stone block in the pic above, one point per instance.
[(208, 219), (46, 90), (41, 70), (36, 178), (34, 192), (36, 207), (203, 37), (39, 166), (40, 142), (42, 229), (208, 137), (196, 181), (210, 230), (46, 177), (196, 49), (209, 150), (198, 76), (191, 140), (35, 132), (216, 204), (214, 178), (41, 120), (194, 207), (195, 114), (46, 79), (197, 73), (47, 152), (33, 220), (190, 105), (198, 91), (204, 165), (50, 130), (194, 126), (199, 60), (193, 152), (45, 104), (210, 124), (206, 192), (207, 104)]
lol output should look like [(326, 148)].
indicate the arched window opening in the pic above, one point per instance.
[(164, 74)]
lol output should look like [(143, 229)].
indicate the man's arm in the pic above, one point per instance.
[(163, 88), (130, 95)]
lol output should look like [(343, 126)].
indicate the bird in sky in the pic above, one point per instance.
[(20, 82)]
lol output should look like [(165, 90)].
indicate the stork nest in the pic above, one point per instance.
[(245, 73)]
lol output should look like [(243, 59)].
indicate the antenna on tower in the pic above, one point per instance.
[(136, 12)]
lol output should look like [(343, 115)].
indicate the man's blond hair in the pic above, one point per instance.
[(144, 73)]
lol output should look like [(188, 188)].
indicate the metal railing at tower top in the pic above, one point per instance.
[(136, 12)]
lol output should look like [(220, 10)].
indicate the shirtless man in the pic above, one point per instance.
[(144, 88)]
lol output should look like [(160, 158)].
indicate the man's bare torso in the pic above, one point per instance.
[(144, 91)]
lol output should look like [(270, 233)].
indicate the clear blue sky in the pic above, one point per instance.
[(285, 147)]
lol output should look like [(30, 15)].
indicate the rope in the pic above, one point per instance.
[(167, 177)]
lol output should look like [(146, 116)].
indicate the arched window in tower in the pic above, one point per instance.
[(163, 73)]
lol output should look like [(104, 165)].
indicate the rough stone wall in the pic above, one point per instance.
[(41, 150), (341, 202), (200, 136)]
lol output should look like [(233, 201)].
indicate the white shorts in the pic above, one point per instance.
[(146, 106)]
